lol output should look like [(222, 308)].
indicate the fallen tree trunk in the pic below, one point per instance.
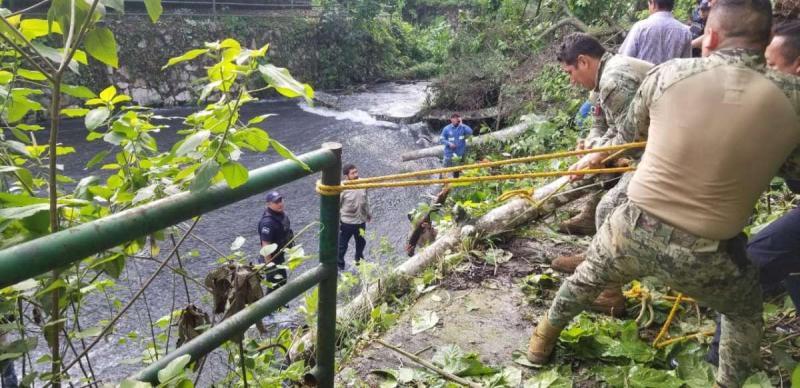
[(502, 135), (507, 217)]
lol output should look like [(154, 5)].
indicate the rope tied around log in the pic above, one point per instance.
[(386, 180)]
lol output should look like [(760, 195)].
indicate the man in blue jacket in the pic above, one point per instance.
[(454, 139)]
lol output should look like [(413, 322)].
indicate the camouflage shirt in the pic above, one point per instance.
[(635, 124), (618, 78)]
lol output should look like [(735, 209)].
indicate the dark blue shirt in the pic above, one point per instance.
[(275, 228)]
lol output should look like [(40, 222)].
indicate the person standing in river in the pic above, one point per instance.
[(354, 211), (275, 228), (454, 139)]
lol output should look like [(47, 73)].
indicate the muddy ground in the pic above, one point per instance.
[(481, 308)]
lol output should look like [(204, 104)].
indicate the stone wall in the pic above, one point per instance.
[(145, 47)]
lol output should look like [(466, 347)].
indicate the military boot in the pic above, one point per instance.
[(610, 302), (567, 264), (543, 341), (583, 223)]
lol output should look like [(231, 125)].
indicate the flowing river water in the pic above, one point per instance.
[(374, 145)]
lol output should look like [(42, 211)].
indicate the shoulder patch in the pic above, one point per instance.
[(265, 230)]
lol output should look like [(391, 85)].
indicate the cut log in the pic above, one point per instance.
[(505, 218), (502, 135), (418, 231)]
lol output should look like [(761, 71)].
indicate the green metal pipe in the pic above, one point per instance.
[(323, 373), (56, 250), (239, 322)]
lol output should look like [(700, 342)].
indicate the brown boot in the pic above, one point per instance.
[(543, 341), (567, 264), (610, 302), (583, 223)]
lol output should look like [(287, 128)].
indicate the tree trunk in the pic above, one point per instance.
[(502, 135), (507, 217)]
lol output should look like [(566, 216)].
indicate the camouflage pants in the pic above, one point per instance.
[(633, 244), (612, 199)]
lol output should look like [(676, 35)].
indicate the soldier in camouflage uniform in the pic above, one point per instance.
[(613, 80), (718, 129)]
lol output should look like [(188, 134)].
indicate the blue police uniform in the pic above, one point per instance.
[(275, 228)]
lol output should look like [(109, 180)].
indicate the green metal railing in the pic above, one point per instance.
[(60, 249)]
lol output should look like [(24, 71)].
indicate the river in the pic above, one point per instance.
[(373, 145)]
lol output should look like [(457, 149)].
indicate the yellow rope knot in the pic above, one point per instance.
[(328, 190)]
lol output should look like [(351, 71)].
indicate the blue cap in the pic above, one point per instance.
[(274, 196)]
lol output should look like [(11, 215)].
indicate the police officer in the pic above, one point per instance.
[(275, 228)]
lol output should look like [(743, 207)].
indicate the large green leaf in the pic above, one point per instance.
[(192, 142), (188, 56), (235, 174), (758, 380), (35, 28), (77, 91), (101, 45), (283, 151), (96, 117), (154, 9), (204, 176), (18, 213), (553, 378), (174, 368), (255, 138), (283, 82)]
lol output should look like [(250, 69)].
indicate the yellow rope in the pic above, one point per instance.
[(683, 338), (668, 322), (356, 185), (524, 193), (474, 166)]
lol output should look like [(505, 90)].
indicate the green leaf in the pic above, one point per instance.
[(97, 158), (88, 333), (693, 369), (77, 91), (32, 75), (235, 174), (18, 213), (760, 380), (256, 138), (101, 45), (108, 93), (424, 320), (283, 82), (796, 376), (174, 368), (388, 377), (96, 117), (36, 28), (5, 77), (154, 9), (552, 378), (283, 151), (55, 56), (204, 176), (74, 112), (188, 56), (118, 5), (192, 142), (134, 384), (268, 249), (259, 118), (30, 127)]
